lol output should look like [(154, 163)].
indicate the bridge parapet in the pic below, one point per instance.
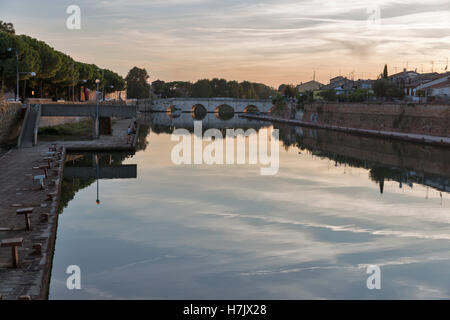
[(211, 104), (88, 110), (144, 105)]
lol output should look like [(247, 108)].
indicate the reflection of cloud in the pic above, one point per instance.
[(309, 226)]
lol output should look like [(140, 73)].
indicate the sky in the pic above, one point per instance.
[(269, 41)]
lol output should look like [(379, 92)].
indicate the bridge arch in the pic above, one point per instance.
[(224, 112), (172, 112), (251, 109), (198, 111)]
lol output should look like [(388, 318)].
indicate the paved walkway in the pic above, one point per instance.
[(17, 187)]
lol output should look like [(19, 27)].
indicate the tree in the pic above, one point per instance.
[(7, 27), (158, 86), (112, 81), (137, 86), (328, 95), (55, 71), (385, 72), (385, 88), (202, 89), (234, 89)]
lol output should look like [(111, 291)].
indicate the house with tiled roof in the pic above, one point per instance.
[(309, 86), (438, 87)]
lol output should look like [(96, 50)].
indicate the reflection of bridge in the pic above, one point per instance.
[(87, 166), (108, 172), (186, 121), (212, 104)]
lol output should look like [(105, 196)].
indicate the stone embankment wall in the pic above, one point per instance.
[(11, 115), (433, 120), (54, 121)]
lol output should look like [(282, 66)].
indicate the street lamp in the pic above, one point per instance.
[(96, 124), (112, 87), (17, 71), (103, 83), (33, 74)]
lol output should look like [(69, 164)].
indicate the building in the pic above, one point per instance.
[(403, 78), (441, 90), (309, 86), (427, 85), (422, 78), (364, 84), (339, 83)]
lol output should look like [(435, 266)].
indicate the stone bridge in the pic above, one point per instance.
[(211, 105)]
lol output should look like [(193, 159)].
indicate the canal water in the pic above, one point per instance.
[(141, 227)]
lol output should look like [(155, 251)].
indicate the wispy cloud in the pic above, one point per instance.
[(270, 41)]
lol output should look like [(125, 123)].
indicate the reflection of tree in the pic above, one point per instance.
[(141, 143), (158, 128), (68, 190), (326, 145)]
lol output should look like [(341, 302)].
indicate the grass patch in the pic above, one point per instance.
[(81, 130)]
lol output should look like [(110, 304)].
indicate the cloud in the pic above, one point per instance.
[(269, 41)]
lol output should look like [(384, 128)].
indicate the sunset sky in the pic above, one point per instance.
[(269, 41)]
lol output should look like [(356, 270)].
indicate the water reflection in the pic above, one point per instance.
[(83, 169), (225, 232), (161, 122), (386, 160)]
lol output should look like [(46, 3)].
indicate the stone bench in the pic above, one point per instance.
[(49, 160), (41, 180), (13, 243), (26, 212)]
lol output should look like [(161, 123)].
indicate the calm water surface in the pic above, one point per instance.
[(226, 232)]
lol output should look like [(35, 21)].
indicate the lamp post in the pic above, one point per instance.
[(103, 83), (17, 72), (33, 74), (96, 124), (112, 87)]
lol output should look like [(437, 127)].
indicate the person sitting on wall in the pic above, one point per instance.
[(128, 134)]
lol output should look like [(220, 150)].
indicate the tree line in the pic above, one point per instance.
[(55, 72), (208, 88)]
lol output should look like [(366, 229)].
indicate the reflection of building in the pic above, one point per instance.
[(405, 163)]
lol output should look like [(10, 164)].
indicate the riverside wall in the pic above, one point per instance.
[(11, 115), (424, 119)]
